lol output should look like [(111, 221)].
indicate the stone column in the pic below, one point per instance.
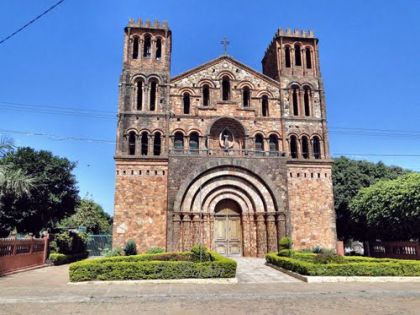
[(271, 234), (196, 230), (281, 226), (246, 235), (186, 229), (261, 236), (211, 231), (177, 233), (206, 230), (150, 145)]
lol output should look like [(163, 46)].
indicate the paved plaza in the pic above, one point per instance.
[(260, 290)]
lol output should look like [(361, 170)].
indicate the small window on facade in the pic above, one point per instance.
[(135, 47), (293, 147), (225, 88), (305, 148), (186, 101), (139, 99), (206, 95), (259, 145), (144, 143), (308, 58), (306, 101), (157, 144), (246, 96), (287, 56), (274, 145), (153, 88), (316, 147), (298, 56), (132, 143), (264, 106), (158, 48), (295, 100), (194, 143), (179, 142), (147, 49)]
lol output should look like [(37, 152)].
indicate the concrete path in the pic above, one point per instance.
[(254, 270)]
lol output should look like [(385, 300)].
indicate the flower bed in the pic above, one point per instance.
[(304, 264), (60, 259), (153, 266)]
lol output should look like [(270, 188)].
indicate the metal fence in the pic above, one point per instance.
[(97, 245), (402, 250)]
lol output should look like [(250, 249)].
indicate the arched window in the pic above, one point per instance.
[(186, 102), (293, 147), (158, 48), (153, 89), (147, 49), (316, 143), (206, 95), (305, 147), (135, 47), (295, 100), (308, 58), (179, 142), (274, 145), (144, 143), (246, 96), (157, 144), (139, 97), (298, 56), (287, 56), (259, 144), (306, 100), (225, 88), (132, 143), (194, 143), (264, 106)]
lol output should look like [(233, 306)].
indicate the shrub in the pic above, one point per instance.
[(286, 252), (118, 251), (285, 243), (155, 250), (130, 248), (328, 257), (157, 266), (60, 259), (200, 253), (68, 243)]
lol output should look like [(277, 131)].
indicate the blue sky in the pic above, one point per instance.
[(72, 58)]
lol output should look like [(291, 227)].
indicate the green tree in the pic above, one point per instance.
[(349, 176), (390, 208), (53, 196), (90, 215)]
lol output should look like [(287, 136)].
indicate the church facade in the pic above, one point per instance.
[(222, 155)]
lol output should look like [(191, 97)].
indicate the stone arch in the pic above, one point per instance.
[(227, 73), (224, 192)]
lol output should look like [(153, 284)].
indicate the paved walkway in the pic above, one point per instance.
[(254, 270)]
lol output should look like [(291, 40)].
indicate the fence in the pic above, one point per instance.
[(97, 244), (18, 254), (403, 250)]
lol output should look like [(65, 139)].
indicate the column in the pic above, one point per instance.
[(246, 235), (150, 145), (261, 236), (211, 231), (271, 234), (196, 230), (177, 233), (281, 226), (186, 227)]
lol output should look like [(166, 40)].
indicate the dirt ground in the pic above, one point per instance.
[(46, 291)]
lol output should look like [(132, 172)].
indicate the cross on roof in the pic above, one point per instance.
[(225, 43)]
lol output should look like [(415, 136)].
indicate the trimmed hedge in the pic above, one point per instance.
[(352, 266), (152, 266), (60, 259)]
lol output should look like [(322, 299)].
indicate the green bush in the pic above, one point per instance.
[(328, 257), (68, 243), (200, 253), (152, 266), (60, 259), (155, 250), (285, 243), (351, 266), (130, 248), (286, 252), (118, 251)]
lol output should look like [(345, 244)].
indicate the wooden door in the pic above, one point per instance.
[(228, 235)]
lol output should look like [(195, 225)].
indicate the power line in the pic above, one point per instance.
[(31, 21)]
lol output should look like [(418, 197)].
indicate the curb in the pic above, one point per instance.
[(160, 281)]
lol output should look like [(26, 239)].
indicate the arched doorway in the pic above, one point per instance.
[(227, 228)]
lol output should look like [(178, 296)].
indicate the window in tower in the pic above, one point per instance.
[(147, 49), (144, 143), (132, 143), (194, 143), (179, 142), (298, 57), (287, 56), (246, 96), (308, 58), (158, 48), (295, 100), (139, 98), (186, 101), (264, 106), (206, 95), (316, 147), (135, 47), (153, 88), (157, 144), (306, 101), (225, 88), (305, 147), (273, 144), (293, 147), (259, 145)]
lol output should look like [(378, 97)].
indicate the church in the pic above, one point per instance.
[(222, 155)]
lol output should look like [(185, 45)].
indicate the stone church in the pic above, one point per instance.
[(222, 154)]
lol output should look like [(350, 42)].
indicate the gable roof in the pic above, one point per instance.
[(219, 59)]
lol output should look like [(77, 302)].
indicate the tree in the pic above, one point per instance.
[(90, 215), (390, 208), (349, 176), (53, 196)]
